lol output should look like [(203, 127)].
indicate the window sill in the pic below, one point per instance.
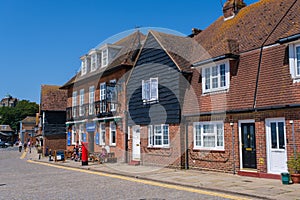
[(158, 147), (215, 92), (209, 150), (146, 102)]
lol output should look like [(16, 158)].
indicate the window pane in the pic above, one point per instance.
[(198, 135), (154, 88), (215, 83), (273, 135), (298, 60), (220, 135), (281, 135), (207, 78), (150, 135), (147, 89), (215, 71), (166, 134), (208, 128), (209, 141), (222, 74)]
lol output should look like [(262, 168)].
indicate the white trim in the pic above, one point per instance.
[(214, 123), (107, 118), (77, 122), (112, 123), (268, 145), (240, 122), (293, 61), (227, 77)]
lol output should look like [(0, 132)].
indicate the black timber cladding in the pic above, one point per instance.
[(154, 62), (55, 123)]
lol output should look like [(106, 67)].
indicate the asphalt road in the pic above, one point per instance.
[(20, 179)]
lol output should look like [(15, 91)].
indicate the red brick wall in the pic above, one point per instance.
[(54, 143)]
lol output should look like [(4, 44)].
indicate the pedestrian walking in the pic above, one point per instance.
[(20, 146)]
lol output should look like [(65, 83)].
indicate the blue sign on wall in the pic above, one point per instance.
[(97, 138), (69, 138), (90, 126), (84, 137)]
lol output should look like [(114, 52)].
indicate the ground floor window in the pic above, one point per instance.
[(73, 135), (112, 133), (209, 135), (102, 134), (158, 135)]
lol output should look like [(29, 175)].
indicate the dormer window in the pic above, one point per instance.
[(85, 64), (215, 78), (104, 57), (83, 67), (93, 62), (294, 61)]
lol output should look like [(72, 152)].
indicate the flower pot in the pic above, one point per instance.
[(295, 178)]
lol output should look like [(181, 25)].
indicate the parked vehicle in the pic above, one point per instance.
[(9, 144), (2, 144)]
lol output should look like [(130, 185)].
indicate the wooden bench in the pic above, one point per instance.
[(95, 157)]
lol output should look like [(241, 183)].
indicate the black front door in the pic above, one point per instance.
[(248, 145)]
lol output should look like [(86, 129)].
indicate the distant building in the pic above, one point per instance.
[(27, 128), (8, 101), (52, 117), (6, 133)]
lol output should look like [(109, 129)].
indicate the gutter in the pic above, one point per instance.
[(288, 39), (245, 110), (222, 57)]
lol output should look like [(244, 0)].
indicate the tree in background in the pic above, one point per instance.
[(13, 115)]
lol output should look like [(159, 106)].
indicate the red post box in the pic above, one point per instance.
[(84, 153)]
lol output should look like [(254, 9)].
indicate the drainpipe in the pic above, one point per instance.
[(186, 144), (294, 139), (233, 156), (126, 135)]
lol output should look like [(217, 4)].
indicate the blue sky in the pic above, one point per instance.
[(41, 40)]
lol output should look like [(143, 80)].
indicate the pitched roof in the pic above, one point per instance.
[(29, 120), (5, 128), (130, 44), (183, 51), (251, 28), (53, 98)]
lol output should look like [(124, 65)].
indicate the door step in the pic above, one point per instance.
[(134, 163)]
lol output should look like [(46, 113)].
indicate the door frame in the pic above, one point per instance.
[(133, 135), (268, 139), (240, 140)]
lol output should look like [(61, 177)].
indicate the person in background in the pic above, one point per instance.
[(20, 145)]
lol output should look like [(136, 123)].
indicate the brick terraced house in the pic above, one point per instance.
[(245, 117), (96, 110)]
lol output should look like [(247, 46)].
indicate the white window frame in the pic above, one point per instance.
[(150, 90), (102, 133), (74, 103), (73, 135), (294, 62), (112, 130), (112, 104), (156, 139), (81, 132), (81, 103), (199, 134), (84, 66), (211, 77), (102, 97), (94, 61), (91, 100), (104, 57)]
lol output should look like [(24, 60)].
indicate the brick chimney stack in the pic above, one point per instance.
[(232, 7)]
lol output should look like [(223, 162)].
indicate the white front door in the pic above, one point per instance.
[(276, 145), (136, 148)]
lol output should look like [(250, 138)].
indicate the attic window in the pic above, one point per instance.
[(104, 57), (215, 78), (294, 61)]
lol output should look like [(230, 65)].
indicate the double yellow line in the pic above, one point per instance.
[(153, 183)]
